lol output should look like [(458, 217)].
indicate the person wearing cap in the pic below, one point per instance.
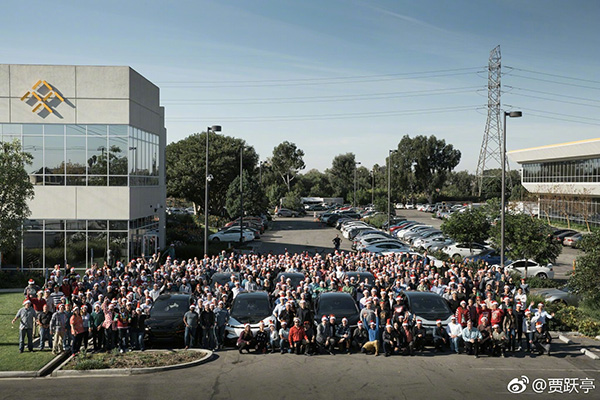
[(246, 340), (273, 337), (208, 323), (310, 334), (304, 313), (26, 316), (261, 338), (390, 340), (541, 339), (407, 338), (499, 341), (462, 314), (509, 327), (85, 319), (528, 328), (519, 315), (284, 338), (221, 318), (324, 334), (58, 327), (420, 334), (297, 337), (455, 334), (190, 321), (138, 329), (541, 314), (31, 289), (77, 330), (372, 345), (342, 334), (68, 339), (360, 336), (440, 337), (485, 342), (471, 337)]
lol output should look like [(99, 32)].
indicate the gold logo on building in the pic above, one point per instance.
[(41, 95)]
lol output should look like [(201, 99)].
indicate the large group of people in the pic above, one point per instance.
[(110, 303)]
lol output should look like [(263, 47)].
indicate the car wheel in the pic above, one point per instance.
[(216, 239), (456, 255), (542, 275)]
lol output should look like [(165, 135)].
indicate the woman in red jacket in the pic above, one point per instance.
[(76, 329)]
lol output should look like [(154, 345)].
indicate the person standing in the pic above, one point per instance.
[(77, 330), (43, 321), (337, 242), (208, 322), (221, 317), (190, 320), (26, 316), (96, 321), (58, 328), (85, 317), (138, 328)]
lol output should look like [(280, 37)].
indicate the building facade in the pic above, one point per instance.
[(97, 137), (566, 177)]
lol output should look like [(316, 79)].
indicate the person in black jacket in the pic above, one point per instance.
[(261, 338), (541, 339), (419, 336), (208, 323), (391, 341), (360, 336), (440, 337)]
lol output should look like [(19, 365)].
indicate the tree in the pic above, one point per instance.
[(470, 226), (526, 237), (255, 201), (586, 278), (15, 190), (424, 164), (459, 184), (314, 183), (341, 175), (186, 167), (287, 161)]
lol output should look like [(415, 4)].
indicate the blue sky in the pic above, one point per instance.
[(335, 76)]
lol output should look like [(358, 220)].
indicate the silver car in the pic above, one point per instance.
[(562, 296)]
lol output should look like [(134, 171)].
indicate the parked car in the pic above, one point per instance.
[(389, 247), (223, 278), (286, 212), (573, 240), (464, 249), (248, 308), (557, 296), (409, 206), (531, 268), (165, 322), (360, 246), (359, 277), (232, 235), (435, 243), (428, 307), (340, 304), (490, 256), (561, 234)]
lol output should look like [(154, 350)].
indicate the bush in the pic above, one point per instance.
[(18, 279), (567, 318), (589, 327), (535, 282), (377, 221)]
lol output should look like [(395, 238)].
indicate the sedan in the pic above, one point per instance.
[(426, 242), (490, 256), (389, 247), (232, 235), (557, 296), (339, 304), (248, 308), (531, 268), (573, 240), (285, 212), (165, 322), (464, 249)]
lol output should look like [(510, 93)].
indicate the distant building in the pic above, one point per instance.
[(566, 177), (98, 138)]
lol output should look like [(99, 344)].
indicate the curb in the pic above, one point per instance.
[(565, 339), (590, 354), (130, 371), (45, 370)]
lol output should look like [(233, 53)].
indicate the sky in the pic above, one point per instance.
[(335, 76)]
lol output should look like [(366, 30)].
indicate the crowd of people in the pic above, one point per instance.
[(109, 305)]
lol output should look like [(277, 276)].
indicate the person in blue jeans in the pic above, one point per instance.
[(284, 333), (26, 317), (190, 319), (43, 321)]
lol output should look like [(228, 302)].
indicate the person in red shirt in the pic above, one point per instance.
[(497, 315), (483, 311), (297, 336), (462, 314)]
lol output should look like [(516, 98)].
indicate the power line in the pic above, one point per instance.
[(321, 99), (552, 94), (555, 100), (330, 116), (553, 75), (555, 82), (309, 82), (558, 115)]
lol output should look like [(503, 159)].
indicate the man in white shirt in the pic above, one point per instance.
[(455, 333)]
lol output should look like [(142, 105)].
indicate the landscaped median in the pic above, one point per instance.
[(131, 363)]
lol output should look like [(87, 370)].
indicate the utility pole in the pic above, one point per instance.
[(241, 194)]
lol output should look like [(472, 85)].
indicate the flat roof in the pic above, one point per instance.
[(569, 150)]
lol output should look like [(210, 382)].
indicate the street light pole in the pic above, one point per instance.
[(389, 205), (512, 114), (355, 164), (373, 187), (207, 179)]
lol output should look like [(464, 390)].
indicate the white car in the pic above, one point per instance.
[(464, 249), (232, 235), (389, 247), (399, 206), (421, 241), (249, 308), (409, 206), (371, 242), (440, 241), (404, 233), (285, 212), (533, 269)]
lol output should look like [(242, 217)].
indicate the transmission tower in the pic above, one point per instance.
[(491, 148)]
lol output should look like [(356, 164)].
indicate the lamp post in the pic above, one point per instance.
[(355, 164), (373, 187), (207, 179), (241, 194), (389, 168), (512, 114)]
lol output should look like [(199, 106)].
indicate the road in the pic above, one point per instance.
[(357, 376)]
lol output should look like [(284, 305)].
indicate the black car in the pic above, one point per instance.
[(428, 307), (166, 318), (295, 277), (249, 308), (339, 304), (222, 278)]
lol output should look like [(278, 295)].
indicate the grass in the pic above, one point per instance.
[(136, 359), (10, 358)]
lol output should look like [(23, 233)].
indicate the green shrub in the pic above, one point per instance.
[(18, 279), (535, 282), (377, 221), (589, 327), (567, 318)]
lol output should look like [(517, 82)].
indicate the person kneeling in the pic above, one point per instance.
[(391, 341), (541, 339), (499, 341), (246, 339)]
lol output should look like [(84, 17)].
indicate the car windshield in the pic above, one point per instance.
[(170, 307), (429, 304), (342, 305), (250, 310)]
